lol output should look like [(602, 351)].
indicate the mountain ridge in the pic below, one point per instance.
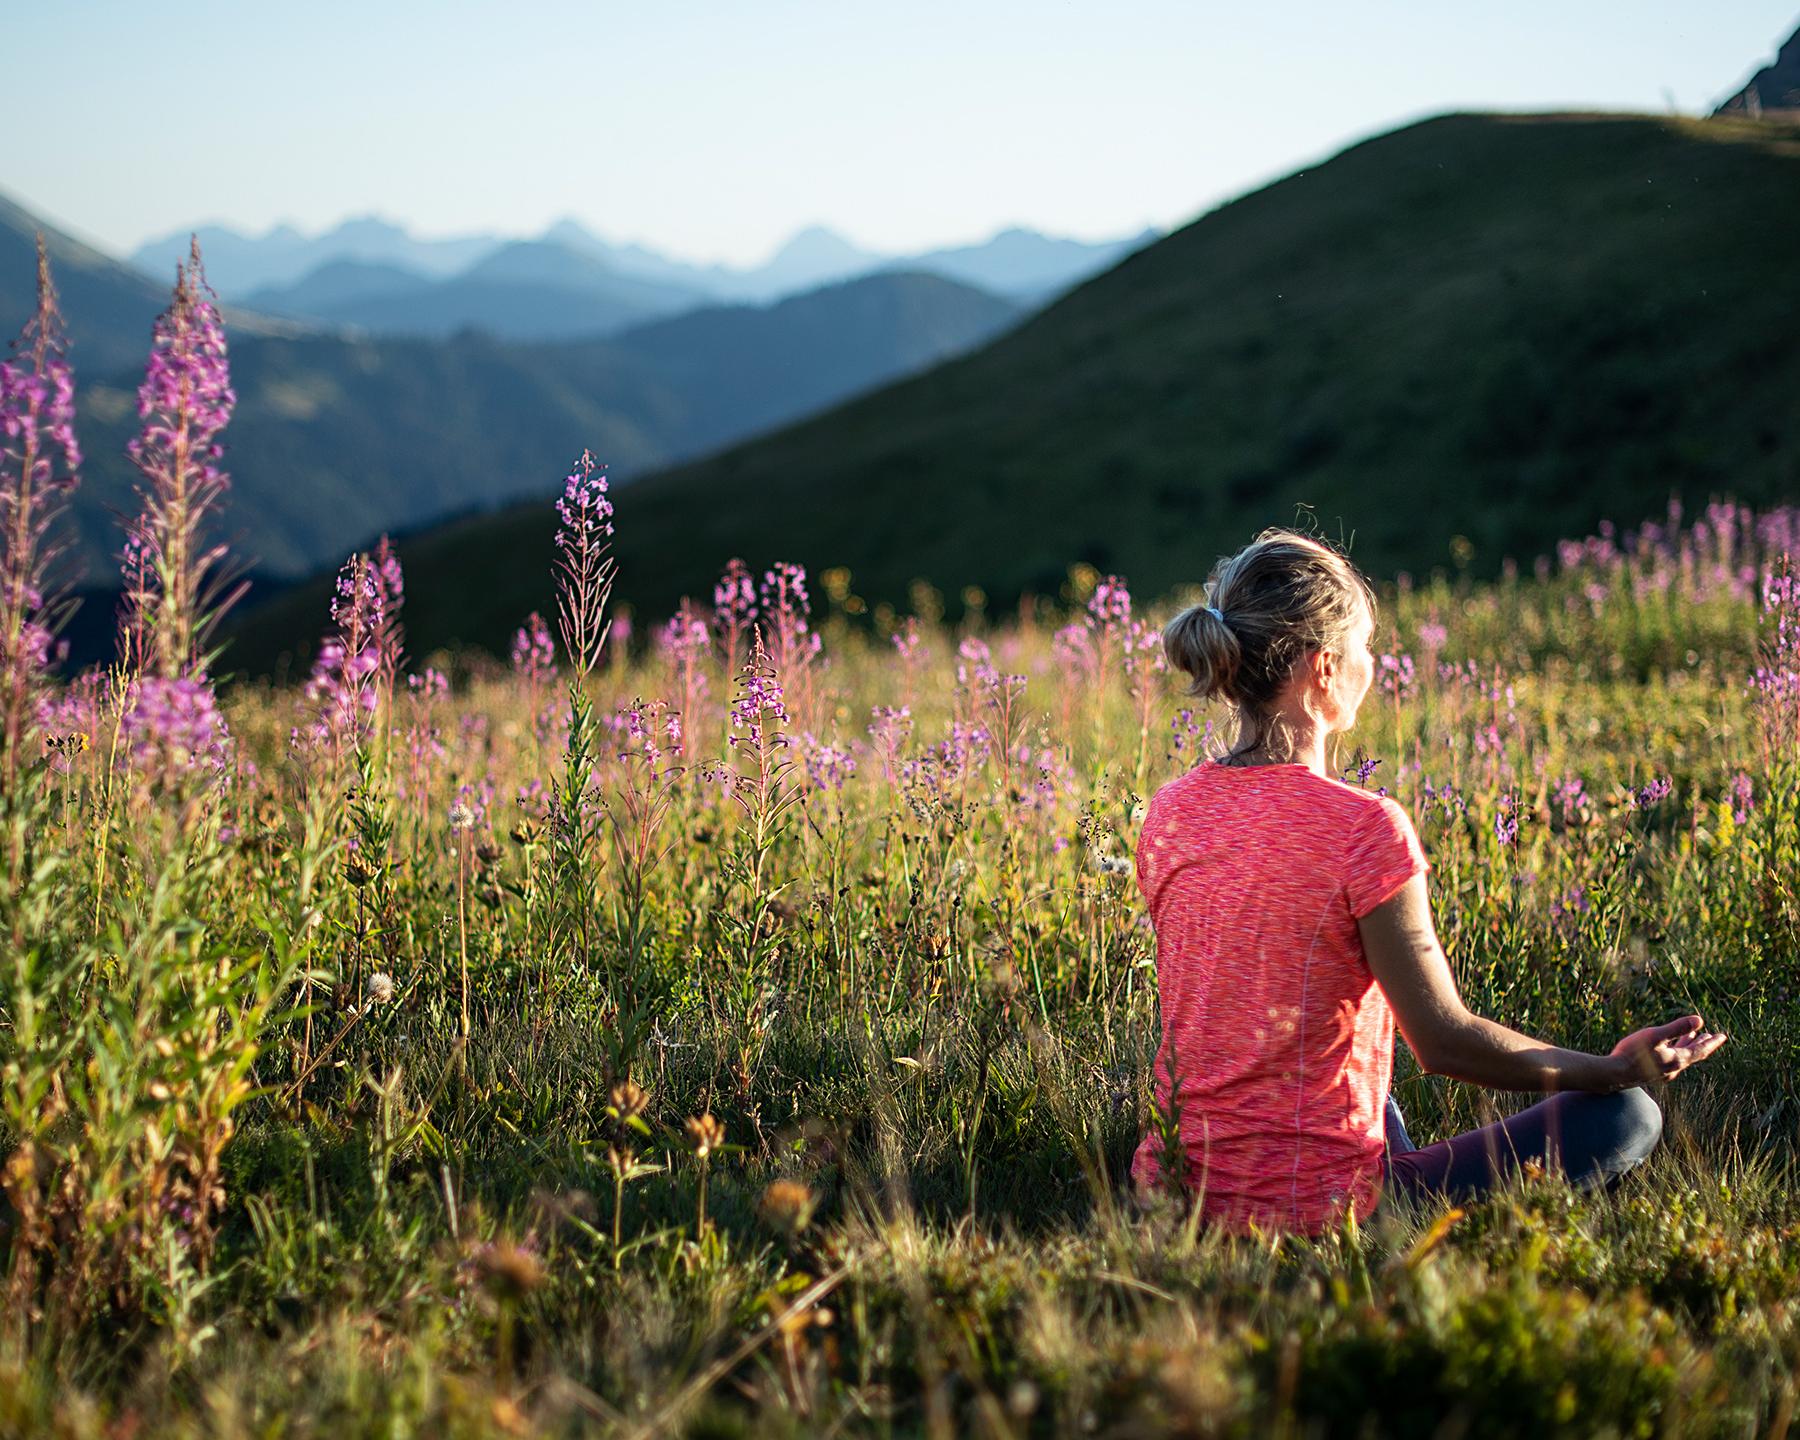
[(812, 256)]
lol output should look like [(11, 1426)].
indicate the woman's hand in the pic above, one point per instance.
[(1656, 1054)]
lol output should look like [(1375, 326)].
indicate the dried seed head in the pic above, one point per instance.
[(628, 1100), (509, 1271), (704, 1134), (788, 1205)]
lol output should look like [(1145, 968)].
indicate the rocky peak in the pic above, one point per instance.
[(1773, 89)]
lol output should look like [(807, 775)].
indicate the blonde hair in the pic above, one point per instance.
[(1281, 597)]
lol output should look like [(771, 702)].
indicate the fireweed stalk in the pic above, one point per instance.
[(584, 577), (763, 783), (683, 643), (38, 463), (734, 609), (792, 644), (175, 590), (350, 698), (353, 667), (534, 663)]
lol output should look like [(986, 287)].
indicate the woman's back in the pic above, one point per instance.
[(1255, 878)]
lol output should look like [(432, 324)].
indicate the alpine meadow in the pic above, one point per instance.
[(735, 1014)]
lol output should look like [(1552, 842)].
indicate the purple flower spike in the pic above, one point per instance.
[(585, 568), (173, 727), (1110, 604), (351, 671), (1396, 674), (684, 638), (533, 651), (186, 399), (1743, 797), (184, 402), (759, 704)]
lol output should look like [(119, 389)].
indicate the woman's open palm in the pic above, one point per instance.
[(1658, 1053)]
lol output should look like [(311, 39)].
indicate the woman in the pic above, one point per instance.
[(1293, 931)]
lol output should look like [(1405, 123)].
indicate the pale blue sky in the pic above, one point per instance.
[(714, 129)]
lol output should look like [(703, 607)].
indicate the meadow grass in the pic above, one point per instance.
[(749, 1034)]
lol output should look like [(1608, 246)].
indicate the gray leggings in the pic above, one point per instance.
[(1591, 1139)]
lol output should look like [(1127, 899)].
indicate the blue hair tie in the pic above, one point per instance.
[(1215, 612)]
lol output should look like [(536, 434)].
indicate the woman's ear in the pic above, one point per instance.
[(1321, 669)]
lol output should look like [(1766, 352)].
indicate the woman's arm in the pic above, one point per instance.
[(1449, 1039)]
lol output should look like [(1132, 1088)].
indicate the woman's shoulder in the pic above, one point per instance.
[(1293, 790), (1184, 788)]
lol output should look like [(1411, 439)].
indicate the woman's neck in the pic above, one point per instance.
[(1284, 740)]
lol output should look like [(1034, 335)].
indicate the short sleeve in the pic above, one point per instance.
[(1383, 854)]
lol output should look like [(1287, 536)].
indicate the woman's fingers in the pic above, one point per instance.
[(1661, 1052), (1675, 1056), (1704, 1045), (1675, 1029)]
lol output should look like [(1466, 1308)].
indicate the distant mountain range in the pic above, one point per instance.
[(376, 277), (1497, 327), (237, 263)]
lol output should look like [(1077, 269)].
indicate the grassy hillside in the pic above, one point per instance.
[(1497, 327), (108, 307)]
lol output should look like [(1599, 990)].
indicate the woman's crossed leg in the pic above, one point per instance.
[(1589, 1138)]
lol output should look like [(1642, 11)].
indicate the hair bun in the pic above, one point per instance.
[(1200, 644)]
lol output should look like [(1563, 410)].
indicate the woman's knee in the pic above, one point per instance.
[(1625, 1128), (1643, 1123)]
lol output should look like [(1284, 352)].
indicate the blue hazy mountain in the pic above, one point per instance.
[(758, 366), (1025, 264), (238, 264), (335, 283), (524, 290)]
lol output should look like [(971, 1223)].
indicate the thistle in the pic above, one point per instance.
[(175, 588)]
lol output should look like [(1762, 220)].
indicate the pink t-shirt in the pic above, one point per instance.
[(1255, 878)]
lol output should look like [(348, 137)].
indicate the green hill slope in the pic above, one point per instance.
[(1499, 327)]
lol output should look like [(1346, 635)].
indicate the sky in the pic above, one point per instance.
[(714, 129)]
